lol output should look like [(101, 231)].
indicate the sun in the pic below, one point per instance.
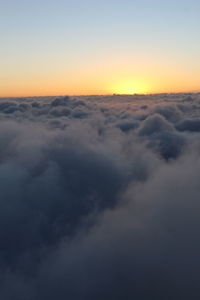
[(130, 87)]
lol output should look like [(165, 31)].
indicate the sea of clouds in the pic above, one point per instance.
[(100, 197)]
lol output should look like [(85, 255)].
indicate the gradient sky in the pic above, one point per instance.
[(98, 47)]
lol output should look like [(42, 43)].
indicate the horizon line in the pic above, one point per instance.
[(107, 94)]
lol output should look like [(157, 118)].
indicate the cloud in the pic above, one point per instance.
[(154, 124), (99, 201), (189, 125), (60, 101), (167, 144), (128, 125), (170, 113)]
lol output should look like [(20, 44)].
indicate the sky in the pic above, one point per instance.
[(98, 47)]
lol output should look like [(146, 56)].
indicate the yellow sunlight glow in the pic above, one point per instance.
[(130, 87)]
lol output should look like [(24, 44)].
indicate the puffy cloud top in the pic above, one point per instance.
[(100, 197)]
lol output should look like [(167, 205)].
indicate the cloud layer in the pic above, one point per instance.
[(100, 197)]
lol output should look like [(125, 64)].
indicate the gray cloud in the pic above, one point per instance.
[(189, 125), (99, 200), (154, 124)]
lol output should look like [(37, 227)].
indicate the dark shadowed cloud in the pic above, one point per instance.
[(99, 198)]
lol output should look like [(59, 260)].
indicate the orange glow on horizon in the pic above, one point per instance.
[(95, 86), (122, 88), (103, 75)]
